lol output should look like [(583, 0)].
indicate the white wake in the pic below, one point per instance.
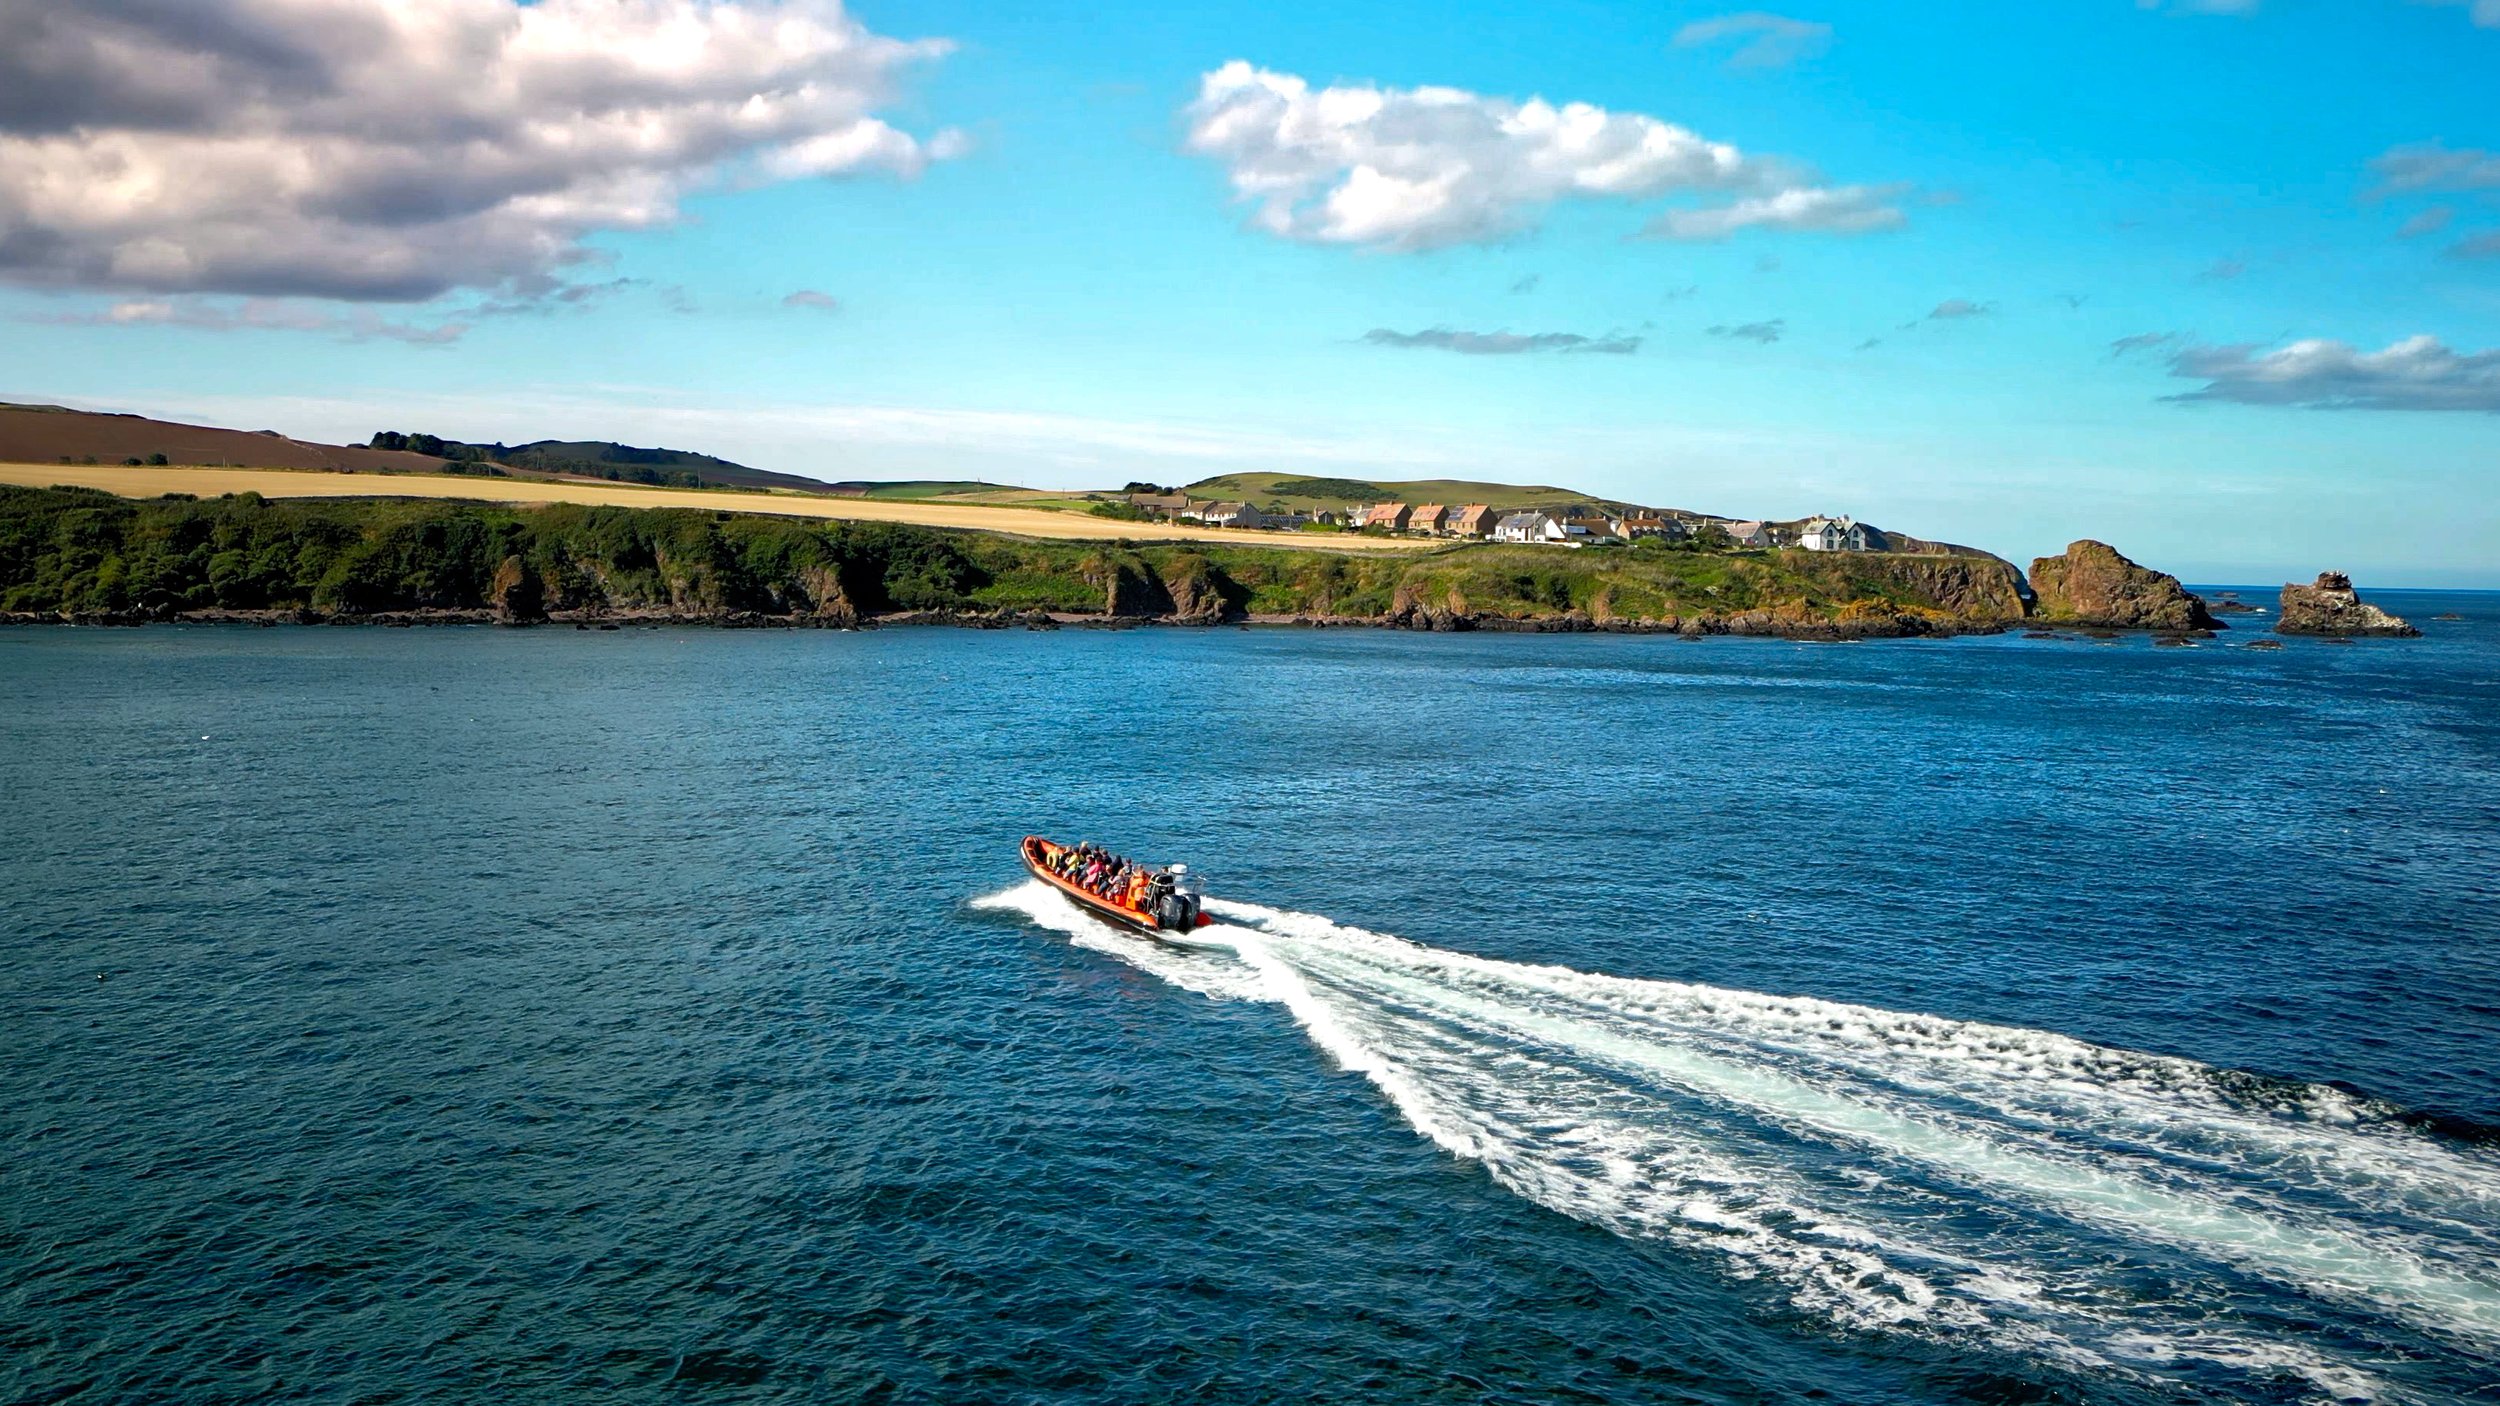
[(1893, 1171)]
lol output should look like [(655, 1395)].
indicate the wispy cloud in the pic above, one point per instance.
[(2429, 221), (258, 315), (2481, 246), (2222, 270), (1763, 40), (1527, 283), (2432, 168), (1503, 343), (1952, 309), (2485, 13), (2142, 341), (2418, 373), (1763, 332), (811, 298), (1827, 209)]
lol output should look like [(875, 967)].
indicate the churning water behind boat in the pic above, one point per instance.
[(1896, 1172)]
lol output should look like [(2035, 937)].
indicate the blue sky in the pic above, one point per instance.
[(2013, 236)]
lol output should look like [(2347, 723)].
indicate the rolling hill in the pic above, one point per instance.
[(52, 434), (600, 458), (1305, 492)]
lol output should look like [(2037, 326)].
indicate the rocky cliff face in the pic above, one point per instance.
[(515, 593), (2332, 607), (2092, 585)]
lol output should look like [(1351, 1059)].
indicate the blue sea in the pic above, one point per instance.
[(470, 1015)]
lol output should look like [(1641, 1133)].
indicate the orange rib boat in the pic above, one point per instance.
[(1165, 904)]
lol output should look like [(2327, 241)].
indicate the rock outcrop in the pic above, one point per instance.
[(826, 600), (515, 593), (2332, 607), (1196, 590), (1130, 588), (2091, 584)]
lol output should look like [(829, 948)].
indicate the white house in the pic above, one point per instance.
[(1240, 515), (1828, 534), (1529, 527), (1747, 534)]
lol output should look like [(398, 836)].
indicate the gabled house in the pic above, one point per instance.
[(1474, 520), (1431, 517), (1241, 515), (1639, 526), (1828, 534), (1747, 534), (1160, 504), (1529, 527), (1586, 531), (1392, 516)]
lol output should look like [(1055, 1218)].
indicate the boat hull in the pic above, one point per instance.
[(1037, 855)]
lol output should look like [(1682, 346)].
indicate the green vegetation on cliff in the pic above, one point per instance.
[(77, 551)]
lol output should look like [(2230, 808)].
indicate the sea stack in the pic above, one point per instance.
[(2332, 607), (2092, 585)]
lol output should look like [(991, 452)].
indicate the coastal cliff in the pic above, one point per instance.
[(2093, 586), (2330, 606), (81, 554)]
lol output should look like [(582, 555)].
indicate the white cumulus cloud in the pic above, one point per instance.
[(2417, 373), (398, 149), (1425, 168)]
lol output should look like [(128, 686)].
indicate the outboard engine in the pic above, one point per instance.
[(1177, 908)]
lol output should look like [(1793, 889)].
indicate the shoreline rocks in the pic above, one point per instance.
[(2330, 606), (2092, 585), (1762, 624)]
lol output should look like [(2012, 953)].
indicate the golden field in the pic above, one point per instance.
[(146, 482)]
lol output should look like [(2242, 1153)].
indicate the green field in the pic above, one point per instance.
[(915, 489), (1308, 493)]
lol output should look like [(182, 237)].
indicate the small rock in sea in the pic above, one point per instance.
[(2447, 615), (2172, 642), (2039, 634), (2332, 608), (2265, 644)]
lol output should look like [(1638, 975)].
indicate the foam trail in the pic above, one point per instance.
[(1893, 1169)]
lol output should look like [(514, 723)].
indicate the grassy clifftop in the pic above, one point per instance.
[(77, 551), (1301, 491)]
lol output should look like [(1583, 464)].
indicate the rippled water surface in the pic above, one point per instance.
[(469, 1015)]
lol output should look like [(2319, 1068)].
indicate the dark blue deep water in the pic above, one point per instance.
[(478, 1016)]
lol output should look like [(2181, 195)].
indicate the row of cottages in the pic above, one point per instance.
[(1815, 534), (1431, 519), (1564, 531), (1180, 507)]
